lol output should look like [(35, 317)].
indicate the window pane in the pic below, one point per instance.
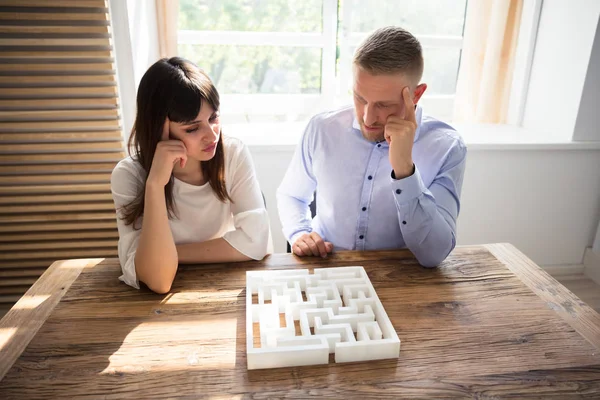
[(258, 69), (441, 70), (420, 17), (251, 15)]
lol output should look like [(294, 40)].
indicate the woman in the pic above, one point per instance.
[(187, 194)]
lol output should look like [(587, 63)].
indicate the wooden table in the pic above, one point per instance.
[(488, 323)]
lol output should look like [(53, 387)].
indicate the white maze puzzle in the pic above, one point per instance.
[(339, 305)]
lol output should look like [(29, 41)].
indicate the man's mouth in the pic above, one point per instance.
[(372, 128)]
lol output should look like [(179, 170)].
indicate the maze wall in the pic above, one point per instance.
[(295, 318)]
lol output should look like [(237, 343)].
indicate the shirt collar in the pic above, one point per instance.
[(418, 117)]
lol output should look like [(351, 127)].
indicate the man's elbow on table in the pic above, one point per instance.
[(430, 262), (432, 258)]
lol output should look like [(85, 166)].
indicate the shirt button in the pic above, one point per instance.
[(398, 191), (369, 177), (379, 145), (361, 237), (364, 208), (403, 222)]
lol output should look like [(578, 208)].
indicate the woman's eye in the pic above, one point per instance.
[(191, 130), (214, 118)]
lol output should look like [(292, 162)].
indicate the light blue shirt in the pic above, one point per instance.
[(359, 204)]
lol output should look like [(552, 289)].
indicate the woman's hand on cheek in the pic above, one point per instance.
[(168, 152)]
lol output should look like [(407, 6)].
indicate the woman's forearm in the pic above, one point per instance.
[(211, 251), (156, 256)]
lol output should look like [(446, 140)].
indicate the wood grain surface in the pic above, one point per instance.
[(488, 323)]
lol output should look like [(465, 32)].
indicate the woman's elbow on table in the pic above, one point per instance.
[(252, 238), (159, 287), (260, 256), (158, 280), (259, 251), (267, 245)]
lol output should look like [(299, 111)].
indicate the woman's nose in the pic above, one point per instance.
[(210, 136)]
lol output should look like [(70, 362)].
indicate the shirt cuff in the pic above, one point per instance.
[(296, 235), (129, 276), (251, 234), (409, 188)]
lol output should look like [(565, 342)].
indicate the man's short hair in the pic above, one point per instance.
[(391, 50)]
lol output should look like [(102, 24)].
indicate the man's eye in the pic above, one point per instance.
[(361, 100)]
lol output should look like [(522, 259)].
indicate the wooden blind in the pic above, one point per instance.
[(60, 137)]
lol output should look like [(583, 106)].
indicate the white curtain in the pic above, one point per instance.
[(487, 61), (166, 20)]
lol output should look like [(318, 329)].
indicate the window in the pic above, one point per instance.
[(283, 61)]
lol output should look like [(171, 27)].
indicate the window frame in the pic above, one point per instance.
[(266, 103), (334, 83)]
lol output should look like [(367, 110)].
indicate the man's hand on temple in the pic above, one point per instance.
[(400, 134)]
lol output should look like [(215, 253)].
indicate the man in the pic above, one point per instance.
[(386, 175)]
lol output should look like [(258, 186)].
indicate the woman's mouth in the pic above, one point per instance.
[(210, 148)]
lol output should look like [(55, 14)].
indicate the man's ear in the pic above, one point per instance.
[(419, 90)]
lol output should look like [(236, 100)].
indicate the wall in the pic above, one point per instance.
[(596, 245), (545, 202), (587, 126), (562, 53)]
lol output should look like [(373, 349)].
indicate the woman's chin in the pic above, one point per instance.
[(205, 155)]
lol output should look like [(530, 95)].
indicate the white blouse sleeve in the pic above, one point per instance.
[(252, 233), (124, 184)]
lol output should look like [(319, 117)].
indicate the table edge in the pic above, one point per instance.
[(22, 322), (579, 315)]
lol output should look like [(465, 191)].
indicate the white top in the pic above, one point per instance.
[(200, 215)]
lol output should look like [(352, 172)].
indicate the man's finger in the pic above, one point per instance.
[(314, 250), (329, 246), (402, 114), (409, 106), (320, 244), (298, 249), (387, 137), (165, 131)]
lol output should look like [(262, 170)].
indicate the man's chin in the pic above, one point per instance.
[(376, 136)]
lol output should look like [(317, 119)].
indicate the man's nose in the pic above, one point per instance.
[(370, 116)]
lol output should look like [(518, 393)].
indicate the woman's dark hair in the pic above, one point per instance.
[(173, 88)]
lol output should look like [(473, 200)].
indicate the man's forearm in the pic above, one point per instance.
[(428, 235), (292, 213), (427, 218)]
